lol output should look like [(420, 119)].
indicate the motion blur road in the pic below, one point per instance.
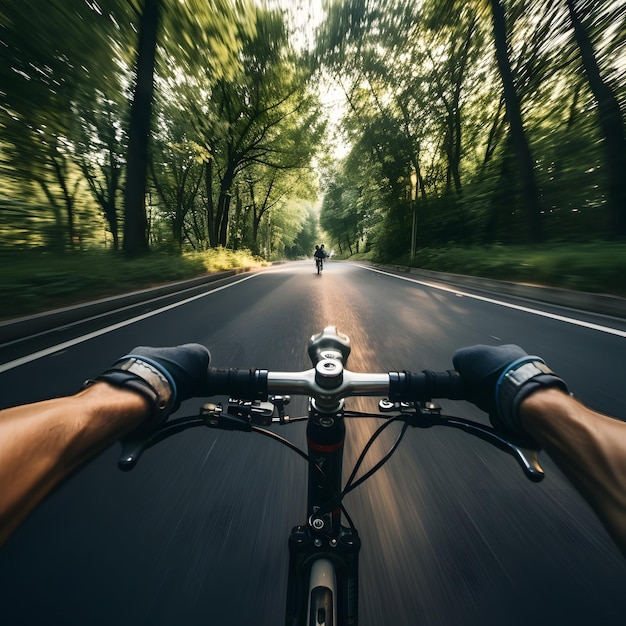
[(452, 531)]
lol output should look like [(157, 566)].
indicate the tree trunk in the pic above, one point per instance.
[(235, 239), (222, 211), (110, 208), (210, 209), (519, 141), (495, 134), (55, 236), (111, 217), (611, 125), (256, 221), (60, 169), (455, 110), (348, 244), (135, 220), (415, 155), (223, 206)]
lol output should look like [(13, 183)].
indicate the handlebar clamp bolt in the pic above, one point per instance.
[(329, 373), (333, 543)]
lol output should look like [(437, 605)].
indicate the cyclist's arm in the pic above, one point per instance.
[(588, 447), (42, 443)]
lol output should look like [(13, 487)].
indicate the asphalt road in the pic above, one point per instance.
[(453, 533)]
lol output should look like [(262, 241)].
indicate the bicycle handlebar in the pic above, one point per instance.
[(257, 384), (327, 384)]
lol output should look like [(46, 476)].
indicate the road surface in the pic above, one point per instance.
[(453, 533)]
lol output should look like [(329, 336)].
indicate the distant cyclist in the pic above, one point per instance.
[(320, 252), (320, 255)]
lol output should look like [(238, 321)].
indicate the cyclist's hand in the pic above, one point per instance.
[(499, 378), (165, 376)]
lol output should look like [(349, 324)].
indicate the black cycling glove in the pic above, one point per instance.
[(499, 378), (165, 376)]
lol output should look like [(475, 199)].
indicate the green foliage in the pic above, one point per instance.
[(593, 267), (237, 123), (391, 237), (203, 38), (309, 235), (284, 228), (253, 133), (40, 281), (353, 196), (425, 100), (57, 66), (230, 91)]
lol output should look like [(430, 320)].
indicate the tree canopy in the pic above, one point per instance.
[(488, 120), (149, 118), (189, 124)]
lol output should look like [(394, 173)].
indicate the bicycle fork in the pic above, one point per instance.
[(322, 549)]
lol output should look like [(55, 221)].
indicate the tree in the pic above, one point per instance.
[(177, 175), (280, 228), (408, 75), (100, 154), (519, 139), (308, 236), (263, 115), (135, 221), (429, 71), (48, 77), (347, 208), (610, 117)]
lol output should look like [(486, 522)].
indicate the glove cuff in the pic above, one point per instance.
[(145, 377), (517, 382)]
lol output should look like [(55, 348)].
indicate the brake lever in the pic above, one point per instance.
[(427, 414), (527, 457), (135, 444), (240, 416)]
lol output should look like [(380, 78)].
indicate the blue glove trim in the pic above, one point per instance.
[(525, 359)]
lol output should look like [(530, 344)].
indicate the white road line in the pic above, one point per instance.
[(508, 305), (4, 367)]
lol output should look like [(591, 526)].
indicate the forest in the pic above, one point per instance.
[(178, 125), (156, 125), (478, 122)]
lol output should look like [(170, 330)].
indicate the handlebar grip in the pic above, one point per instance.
[(426, 385), (238, 383)]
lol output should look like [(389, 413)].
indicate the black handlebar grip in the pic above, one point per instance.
[(236, 383), (426, 385)]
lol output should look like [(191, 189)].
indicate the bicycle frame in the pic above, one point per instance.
[(323, 538)]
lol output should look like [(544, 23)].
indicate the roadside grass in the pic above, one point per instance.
[(32, 282), (593, 267)]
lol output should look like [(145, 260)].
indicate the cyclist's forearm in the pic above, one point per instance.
[(41, 443), (590, 449)]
